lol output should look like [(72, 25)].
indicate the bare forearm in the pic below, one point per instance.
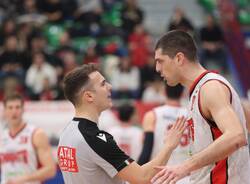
[(218, 150), (161, 159), (41, 174)]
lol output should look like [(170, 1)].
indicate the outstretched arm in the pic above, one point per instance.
[(137, 174)]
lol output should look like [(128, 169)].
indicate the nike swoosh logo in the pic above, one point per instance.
[(102, 137)]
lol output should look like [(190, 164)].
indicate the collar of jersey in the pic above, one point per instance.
[(85, 121)]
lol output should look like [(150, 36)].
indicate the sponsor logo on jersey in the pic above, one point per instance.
[(67, 159), (102, 137), (14, 157)]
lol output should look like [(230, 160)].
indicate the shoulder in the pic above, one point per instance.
[(214, 89), (148, 121), (215, 94), (39, 138)]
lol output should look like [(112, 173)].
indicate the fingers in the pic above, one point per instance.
[(174, 181), (183, 125), (180, 123), (156, 178), (162, 179), (170, 177), (176, 123)]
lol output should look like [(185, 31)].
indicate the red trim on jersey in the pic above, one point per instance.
[(219, 174), (19, 131), (211, 122), (191, 89)]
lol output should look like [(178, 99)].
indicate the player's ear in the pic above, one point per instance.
[(88, 96), (179, 58)]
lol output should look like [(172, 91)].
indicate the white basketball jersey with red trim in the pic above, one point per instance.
[(129, 139), (17, 154), (165, 117), (235, 168)]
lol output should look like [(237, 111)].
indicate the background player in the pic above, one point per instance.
[(155, 125), (127, 135), (25, 151)]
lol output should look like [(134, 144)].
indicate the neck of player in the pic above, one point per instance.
[(87, 113), (173, 102), (190, 73), (16, 127)]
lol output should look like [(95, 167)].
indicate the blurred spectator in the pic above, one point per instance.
[(65, 40), (69, 60), (131, 16), (24, 31), (28, 13), (180, 21), (9, 85), (12, 61), (65, 45), (148, 73), (139, 44), (51, 92), (7, 28), (91, 56), (125, 80), (69, 8), (108, 65), (9, 7), (38, 43), (127, 136), (38, 72), (89, 11), (212, 45), (52, 9), (154, 92)]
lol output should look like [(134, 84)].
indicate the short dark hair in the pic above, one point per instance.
[(12, 97), (75, 80), (174, 92), (125, 112), (177, 41)]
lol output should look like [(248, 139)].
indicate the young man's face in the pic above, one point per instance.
[(167, 67), (13, 111), (101, 91)]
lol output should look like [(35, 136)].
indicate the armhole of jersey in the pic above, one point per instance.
[(39, 165), (211, 122)]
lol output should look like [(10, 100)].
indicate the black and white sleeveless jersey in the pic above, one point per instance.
[(89, 155)]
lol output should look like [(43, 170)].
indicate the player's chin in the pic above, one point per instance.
[(171, 83), (110, 104)]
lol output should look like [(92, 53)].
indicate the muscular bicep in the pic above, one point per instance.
[(215, 100), (43, 149)]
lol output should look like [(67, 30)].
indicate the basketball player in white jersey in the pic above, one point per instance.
[(217, 123), (155, 125), (25, 154), (127, 135)]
